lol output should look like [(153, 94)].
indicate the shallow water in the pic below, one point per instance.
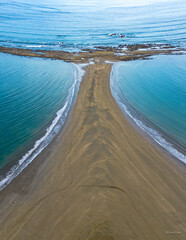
[(35, 93), (156, 89), (59, 24)]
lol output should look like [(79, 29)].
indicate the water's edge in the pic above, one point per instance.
[(50, 133), (128, 110), (156, 134)]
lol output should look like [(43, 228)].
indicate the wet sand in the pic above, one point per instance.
[(98, 180), (120, 53)]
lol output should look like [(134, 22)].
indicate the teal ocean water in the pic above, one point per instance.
[(153, 93), (35, 96)]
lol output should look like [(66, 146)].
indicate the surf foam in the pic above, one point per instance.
[(154, 134), (51, 132)]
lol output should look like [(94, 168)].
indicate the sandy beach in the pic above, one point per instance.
[(98, 180)]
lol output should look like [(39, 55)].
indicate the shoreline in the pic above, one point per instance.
[(133, 118), (50, 132), (115, 54), (148, 129), (109, 55), (99, 175)]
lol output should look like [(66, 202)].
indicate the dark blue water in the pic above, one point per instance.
[(59, 24), (35, 96), (156, 88)]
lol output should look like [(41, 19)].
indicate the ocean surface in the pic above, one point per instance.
[(35, 96), (75, 24), (153, 93)]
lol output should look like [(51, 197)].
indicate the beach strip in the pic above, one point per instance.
[(98, 179)]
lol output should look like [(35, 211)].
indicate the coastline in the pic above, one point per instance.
[(80, 60), (53, 129), (115, 54), (99, 178), (152, 132)]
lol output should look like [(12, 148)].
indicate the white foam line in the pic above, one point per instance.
[(51, 132), (109, 62), (35, 46), (83, 65), (120, 54), (151, 132), (125, 48)]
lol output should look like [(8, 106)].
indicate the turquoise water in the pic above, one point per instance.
[(156, 88), (35, 96), (59, 24)]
